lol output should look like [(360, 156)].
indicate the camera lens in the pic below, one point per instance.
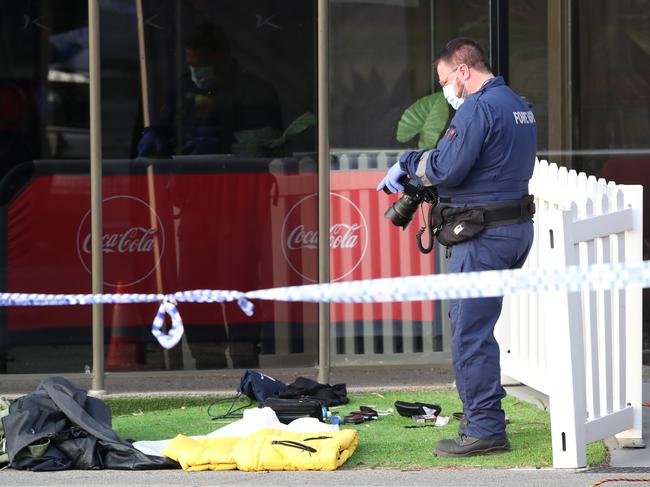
[(401, 212)]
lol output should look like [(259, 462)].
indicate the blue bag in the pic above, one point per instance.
[(258, 386)]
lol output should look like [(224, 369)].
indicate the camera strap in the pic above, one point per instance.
[(430, 224)]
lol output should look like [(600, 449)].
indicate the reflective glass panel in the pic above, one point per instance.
[(209, 178)]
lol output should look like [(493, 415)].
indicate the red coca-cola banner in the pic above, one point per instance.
[(231, 230)]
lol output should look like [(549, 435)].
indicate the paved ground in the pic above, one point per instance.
[(344, 477), (226, 381), (357, 379), (633, 457)]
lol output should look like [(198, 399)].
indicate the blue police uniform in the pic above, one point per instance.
[(485, 157)]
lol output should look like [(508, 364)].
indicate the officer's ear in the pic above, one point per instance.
[(463, 71)]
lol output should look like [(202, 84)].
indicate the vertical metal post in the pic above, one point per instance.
[(560, 78), (499, 38), (179, 67), (433, 49), (323, 190), (151, 183), (96, 218), (142, 55)]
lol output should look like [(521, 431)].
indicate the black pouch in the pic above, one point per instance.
[(289, 409), (460, 224), (410, 409)]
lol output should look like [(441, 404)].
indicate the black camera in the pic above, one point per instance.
[(401, 212)]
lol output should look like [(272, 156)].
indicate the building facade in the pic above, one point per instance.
[(210, 175)]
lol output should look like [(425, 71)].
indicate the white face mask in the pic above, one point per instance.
[(203, 76), (450, 94)]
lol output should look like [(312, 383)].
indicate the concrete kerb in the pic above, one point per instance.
[(212, 382)]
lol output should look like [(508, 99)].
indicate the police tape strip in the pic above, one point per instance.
[(167, 306), (413, 288), (175, 333)]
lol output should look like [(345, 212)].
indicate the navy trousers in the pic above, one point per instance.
[(475, 352)]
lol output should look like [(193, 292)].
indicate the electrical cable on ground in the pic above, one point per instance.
[(601, 482), (232, 411)]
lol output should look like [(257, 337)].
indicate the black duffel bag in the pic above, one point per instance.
[(302, 387), (289, 409)]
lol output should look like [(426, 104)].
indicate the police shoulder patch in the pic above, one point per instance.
[(451, 132)]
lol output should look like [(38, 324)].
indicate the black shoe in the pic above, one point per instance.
[(467, 446), (463, 424)]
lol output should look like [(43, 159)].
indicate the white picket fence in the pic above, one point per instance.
[(583, 350)]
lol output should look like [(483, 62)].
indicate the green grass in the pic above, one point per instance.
[(382, 443)]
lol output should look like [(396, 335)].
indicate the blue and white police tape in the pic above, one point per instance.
[(196, 296), (413, 288), (167, 306), (466, 285), (175, 332)]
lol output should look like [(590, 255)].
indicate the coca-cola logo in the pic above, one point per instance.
[(348, 237), (342, 235), (133, 240)]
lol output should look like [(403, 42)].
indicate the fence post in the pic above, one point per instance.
[(564, 339), (633, 438)]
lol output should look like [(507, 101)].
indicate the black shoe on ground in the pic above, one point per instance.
[(467, 446)]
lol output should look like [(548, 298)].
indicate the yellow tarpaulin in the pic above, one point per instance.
[(267, 449)]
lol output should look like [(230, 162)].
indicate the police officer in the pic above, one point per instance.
[(484, 160)]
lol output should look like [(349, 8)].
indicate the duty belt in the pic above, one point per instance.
[(509, 213), (500, 214)]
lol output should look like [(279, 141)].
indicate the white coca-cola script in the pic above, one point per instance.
[(348, 237), (133, 240), (342, 235)]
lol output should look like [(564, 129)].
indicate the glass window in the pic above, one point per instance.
[(529, 59), (43, 129), (613, 75), (464, 18), (380, 61), (612, 121), (209, 178), (380, 55)]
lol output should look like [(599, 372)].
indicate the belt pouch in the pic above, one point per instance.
[(460, 224)]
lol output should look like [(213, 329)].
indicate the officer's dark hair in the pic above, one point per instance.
[(208, 37), (463, 51)]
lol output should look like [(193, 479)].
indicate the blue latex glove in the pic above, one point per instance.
[(391, 180), (152, 143)]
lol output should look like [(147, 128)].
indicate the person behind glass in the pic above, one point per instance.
[(484, 160), (219, 99)]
